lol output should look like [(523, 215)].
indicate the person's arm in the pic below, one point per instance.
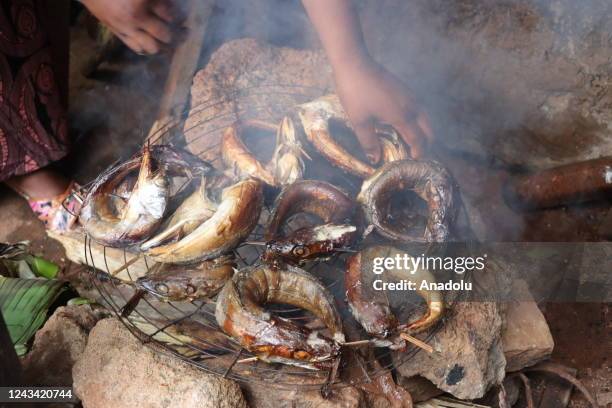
[(143, 25), (369, 93)]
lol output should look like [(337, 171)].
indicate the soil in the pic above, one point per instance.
[(582, 333)]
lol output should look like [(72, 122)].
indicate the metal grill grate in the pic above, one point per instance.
[(188, 330)]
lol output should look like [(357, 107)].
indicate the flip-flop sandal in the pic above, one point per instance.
[(60, 213)]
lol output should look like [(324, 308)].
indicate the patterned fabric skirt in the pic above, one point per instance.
[(33, 125)]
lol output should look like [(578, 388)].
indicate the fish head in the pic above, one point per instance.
[(316, 114), (168, 287), (309, 243), (302, 348), (153, 196), (287, 249)]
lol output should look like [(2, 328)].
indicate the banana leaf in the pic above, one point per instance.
[(42, 267), (19, 263), (24, 304)]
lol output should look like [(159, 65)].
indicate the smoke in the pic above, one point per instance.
[(509, 79), (513, 79), (525, 82), (277, 22)]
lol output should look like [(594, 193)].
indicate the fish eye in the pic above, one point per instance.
[(300, 250), (190, 289), (162, 288)]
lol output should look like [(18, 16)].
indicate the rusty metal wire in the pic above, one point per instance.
[(161, 325)]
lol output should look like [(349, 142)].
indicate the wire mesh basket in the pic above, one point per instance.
[(188, 330)]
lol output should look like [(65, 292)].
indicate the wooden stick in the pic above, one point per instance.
[(126, 265), (417, 342), (356, 343), (182, 68), (247, 360)]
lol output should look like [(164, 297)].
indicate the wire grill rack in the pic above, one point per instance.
[(188, 330)]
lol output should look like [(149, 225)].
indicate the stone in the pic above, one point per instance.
[(526, 337), (249, 79), (58, 345), (116, 370), (259, 395), (420, 389), (508, 394), (469, 357)]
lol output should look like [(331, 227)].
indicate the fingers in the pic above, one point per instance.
[(157, 28), (414, 136), (148, 44), (164, 10), (139, 41), (416, 132), (425, 125), (150, 30), (131, 42), (366, 135)]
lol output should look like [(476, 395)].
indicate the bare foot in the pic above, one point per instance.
[(49, 196), (39, 185)]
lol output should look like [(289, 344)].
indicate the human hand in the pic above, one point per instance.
[(370, 94), (143, 25)]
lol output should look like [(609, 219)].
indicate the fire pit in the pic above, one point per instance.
[(189, 330)]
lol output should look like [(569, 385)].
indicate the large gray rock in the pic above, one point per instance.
[(58, 345), (469, 357), (420, 389), (249, 79), (526, 337), (116, 370)]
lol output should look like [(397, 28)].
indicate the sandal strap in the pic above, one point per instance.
[(59, 213)]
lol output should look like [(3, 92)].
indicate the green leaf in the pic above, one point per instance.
[(18, 269), (79, 301), (24, 303), (42, 267)]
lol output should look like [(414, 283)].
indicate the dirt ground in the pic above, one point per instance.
[(111, 113), (582, 333)]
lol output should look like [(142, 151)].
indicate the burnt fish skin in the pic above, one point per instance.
[(308, 244), (319, 198), (371, 307), (188, 282), (236, 215), (241, 314), (429, 180)]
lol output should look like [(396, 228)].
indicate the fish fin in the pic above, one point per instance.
[(164, 236), (146, 167), (368, 230)]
